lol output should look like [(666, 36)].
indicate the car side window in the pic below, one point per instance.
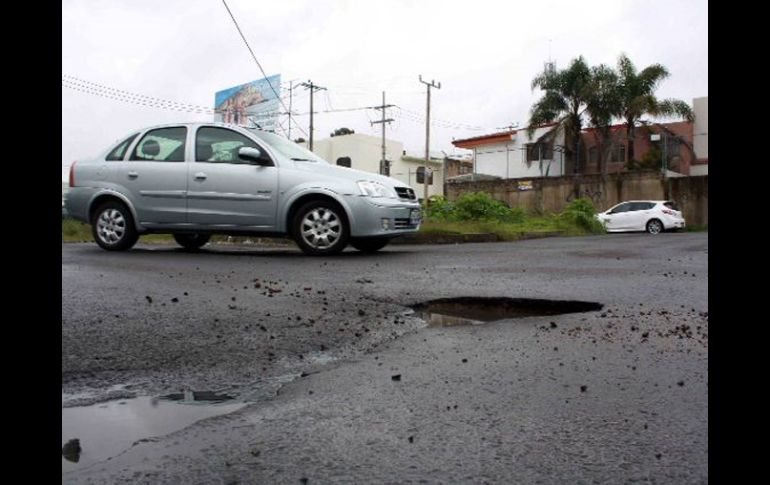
[(621, 208), (220, 145), (641, 206), (120, 150), (162, 145)]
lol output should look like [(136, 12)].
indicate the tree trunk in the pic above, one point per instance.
[(630, 140)]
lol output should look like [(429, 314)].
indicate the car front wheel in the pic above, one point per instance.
[(113, 227), (320, 227), (654, 227), (369, 244), (192, 241)]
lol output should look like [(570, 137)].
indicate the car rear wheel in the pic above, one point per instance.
[(192, 241), (369, 244), (113, 227), (654, 227), (320, 227)]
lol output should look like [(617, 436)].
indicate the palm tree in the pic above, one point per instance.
[(603, 104), (566, 93), (638, 97)]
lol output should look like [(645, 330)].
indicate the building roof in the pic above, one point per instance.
[(498, 137)]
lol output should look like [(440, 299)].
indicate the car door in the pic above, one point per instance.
[(617, 217), (228, 192), (155, 176), (639, 215)]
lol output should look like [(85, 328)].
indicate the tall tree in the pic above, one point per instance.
[(603, 105), (638, 97), (564, 101)]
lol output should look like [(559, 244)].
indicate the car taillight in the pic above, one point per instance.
[(669, 212), (72, 174)]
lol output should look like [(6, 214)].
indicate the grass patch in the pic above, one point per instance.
[(697, 228), (73, 231), (507, 231), (474, 213)]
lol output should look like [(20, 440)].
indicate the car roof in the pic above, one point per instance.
[(194, 124)]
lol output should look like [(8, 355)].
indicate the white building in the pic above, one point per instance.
[(700, 137), (364, 152), (512, 154)]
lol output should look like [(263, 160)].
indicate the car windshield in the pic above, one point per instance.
[(287, 147)]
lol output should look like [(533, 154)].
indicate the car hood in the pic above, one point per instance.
[(347, 173)]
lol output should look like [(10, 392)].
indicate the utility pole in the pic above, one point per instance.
[(384, 167), (313, 88), (290, 96), (431, 84)]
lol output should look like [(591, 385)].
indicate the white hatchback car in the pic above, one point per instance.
[(653, 216)]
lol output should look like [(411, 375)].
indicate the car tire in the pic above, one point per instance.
[(654, 226), (192, 242), (112, 227), (369, 244), (320, 227)]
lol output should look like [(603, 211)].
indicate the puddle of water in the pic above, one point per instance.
[(448, 312), (107, 429)]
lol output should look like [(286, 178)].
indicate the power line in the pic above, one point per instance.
[(235, 22)]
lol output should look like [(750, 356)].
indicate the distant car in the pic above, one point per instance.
[(653, 216), (193, 180)]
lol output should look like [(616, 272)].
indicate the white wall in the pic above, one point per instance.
[(365, 152), (494, 159), (406, 172), (701, 127)]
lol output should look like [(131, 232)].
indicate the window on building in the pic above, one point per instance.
[(618, 154), (162, 145), (221, 145), (539, 151), (673, 147), (421, 176), (593, 155), (120, 150), (344, 162)]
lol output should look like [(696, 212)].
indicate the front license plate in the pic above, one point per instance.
[(415, 217)]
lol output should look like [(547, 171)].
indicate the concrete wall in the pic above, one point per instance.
[(552, 194)]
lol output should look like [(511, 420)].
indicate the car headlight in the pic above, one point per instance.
[(375, 189)]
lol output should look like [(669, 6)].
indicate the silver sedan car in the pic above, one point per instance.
[(193, 180)]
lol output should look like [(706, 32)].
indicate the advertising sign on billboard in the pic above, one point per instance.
[(251, 104)]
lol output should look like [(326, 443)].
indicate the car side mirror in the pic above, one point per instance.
[(253, 156)]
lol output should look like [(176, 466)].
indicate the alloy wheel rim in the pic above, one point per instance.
[(321, 228), (654, 227), (111, 226)]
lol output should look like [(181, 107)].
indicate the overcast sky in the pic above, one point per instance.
[(484, 54)]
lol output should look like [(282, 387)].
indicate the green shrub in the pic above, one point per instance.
[(582, 213), (480, 206), (440, 209)]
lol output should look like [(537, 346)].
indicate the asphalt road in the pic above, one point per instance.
[(614, 396)]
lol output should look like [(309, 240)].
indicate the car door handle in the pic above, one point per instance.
[(133, 175), (200, 176)]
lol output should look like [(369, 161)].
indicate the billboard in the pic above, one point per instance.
[(251, 104)]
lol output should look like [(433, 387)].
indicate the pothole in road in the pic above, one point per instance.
[(106, 429), (448, 312)]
